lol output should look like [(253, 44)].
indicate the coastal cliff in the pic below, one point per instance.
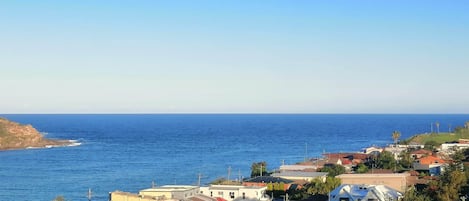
[(17, 136)]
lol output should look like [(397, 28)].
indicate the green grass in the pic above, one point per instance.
[(440, 138)]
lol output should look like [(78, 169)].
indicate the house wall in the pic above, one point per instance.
[(122, 196), (233, 192), (285, 186), (396, 181)]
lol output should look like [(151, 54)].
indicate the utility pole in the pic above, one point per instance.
[(153, 184), (229, 172), (239, 175)]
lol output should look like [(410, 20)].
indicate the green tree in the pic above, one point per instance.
[(259, 169), (406, 159), (451, 183), (431, 145), (413, 195), (317, 186), (386, 160), (395, 136), (333, 170), (361, 168)]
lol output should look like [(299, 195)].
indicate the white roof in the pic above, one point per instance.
[(299, 174)]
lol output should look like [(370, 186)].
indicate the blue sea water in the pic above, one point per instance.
[(128, 152)]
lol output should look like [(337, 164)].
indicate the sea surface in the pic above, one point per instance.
[(129, 152)]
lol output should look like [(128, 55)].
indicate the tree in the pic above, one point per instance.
[(451, 183), (406, 159), (413, 195), (386, 160), (333, 170), (431, 145), (317, 186), (396, 135), (361, 168), (258, 169)]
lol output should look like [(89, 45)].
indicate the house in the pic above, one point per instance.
[(372, 149), (298, 167), (177, 192), (419, 153), (236, 192), (357, 192), (396, 181), (162, 193), (301, 176), (453, 146), (355, 158), (265, 180), (432, 164)]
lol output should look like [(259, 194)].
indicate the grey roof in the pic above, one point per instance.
[(299, 174), (269, 179)]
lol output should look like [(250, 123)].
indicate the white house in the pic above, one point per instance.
[(236, 192), (175, 192), (354, 192)]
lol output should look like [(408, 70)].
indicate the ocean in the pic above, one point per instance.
[(128, 152)]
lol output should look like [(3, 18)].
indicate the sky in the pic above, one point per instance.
[(349, 56)]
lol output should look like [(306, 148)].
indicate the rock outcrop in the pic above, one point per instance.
[(16, 136)]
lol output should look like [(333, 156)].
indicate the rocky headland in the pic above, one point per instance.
[(17, 136)]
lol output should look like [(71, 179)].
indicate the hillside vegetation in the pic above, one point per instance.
[(439, 138), (17, 136)]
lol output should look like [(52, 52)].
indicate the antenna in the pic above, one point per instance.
[(153, 184), (229, 173), (239, 175), (89, 195)]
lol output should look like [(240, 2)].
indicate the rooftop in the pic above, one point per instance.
[(169, 188), (299, 174), (269, 179)]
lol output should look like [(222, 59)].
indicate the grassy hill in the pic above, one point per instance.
[(439, 138)]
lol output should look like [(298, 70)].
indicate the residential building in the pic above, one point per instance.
[(177, 192), (236, 192), (433, 164), (265, 180), (304, 168), (162, 193), (396, 181), (301, 176), (354, 192), (372, 149), (419, 153), (453, 146)]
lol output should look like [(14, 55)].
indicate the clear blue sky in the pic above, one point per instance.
[(234, 56)]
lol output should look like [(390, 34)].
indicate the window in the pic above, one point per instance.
[(244, 195), (232, 195), (344, 199), (211, 194), (220, 193)]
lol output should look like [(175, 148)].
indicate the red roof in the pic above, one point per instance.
[(428, 160)]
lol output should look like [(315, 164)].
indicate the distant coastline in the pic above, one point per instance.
[(14, 136)]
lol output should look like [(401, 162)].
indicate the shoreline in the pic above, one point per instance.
[(51, 143)]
